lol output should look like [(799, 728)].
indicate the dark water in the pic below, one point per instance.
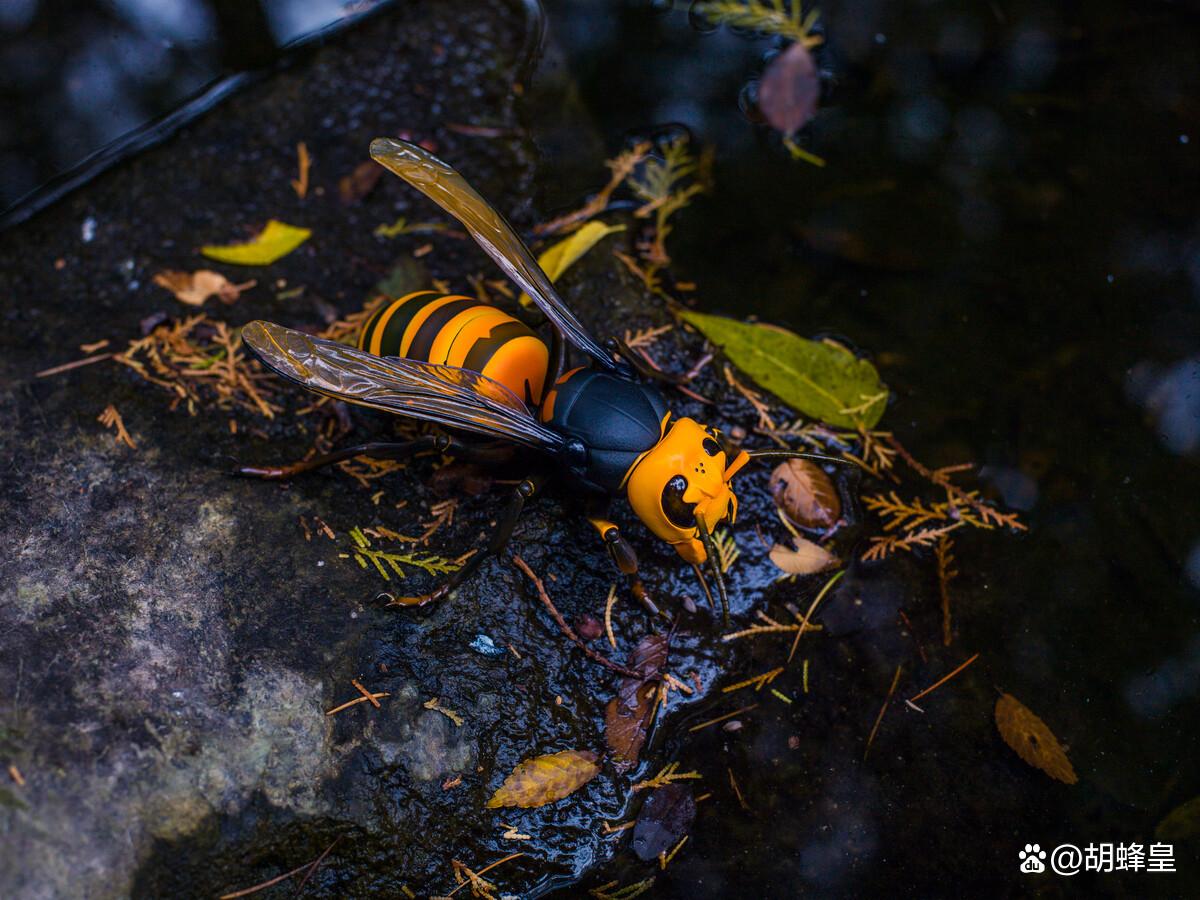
[(1008, 220), (1008, 224)]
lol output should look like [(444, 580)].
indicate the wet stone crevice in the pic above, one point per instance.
[(169, 641)]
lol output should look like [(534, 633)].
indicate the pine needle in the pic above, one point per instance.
[(937, 684)]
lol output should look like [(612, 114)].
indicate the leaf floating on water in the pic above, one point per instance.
[(564, 254), (805, 494), (545, 779), (1182, 824), (626, 726), (1032, 739), (665, 818), (806, 559), (193, 288), (820, 379), (274, 242), (354, 187), (788, 91)]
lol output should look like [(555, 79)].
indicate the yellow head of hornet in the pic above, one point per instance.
[(680, 487)]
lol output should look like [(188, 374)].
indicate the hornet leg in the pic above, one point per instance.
[(626, 560), (379, 450), (500, 537)]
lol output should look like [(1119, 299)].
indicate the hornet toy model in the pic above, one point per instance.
[(461, 363)]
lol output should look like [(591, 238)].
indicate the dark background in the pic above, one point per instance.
[(1007, 223)]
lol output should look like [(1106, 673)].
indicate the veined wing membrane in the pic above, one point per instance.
[(446, 395), (449, 190)]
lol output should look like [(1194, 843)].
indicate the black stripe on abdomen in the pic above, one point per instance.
[(422, 341), (393, 332), (483, 350)]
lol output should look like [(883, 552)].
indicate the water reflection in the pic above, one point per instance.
[(76, 76), (1171, 395)]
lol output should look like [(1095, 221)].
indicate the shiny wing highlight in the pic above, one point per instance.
[(446, 395), (449, 190)]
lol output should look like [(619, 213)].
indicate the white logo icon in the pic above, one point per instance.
[(1031, 859)]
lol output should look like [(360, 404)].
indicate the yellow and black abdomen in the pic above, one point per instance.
[(451, 330)]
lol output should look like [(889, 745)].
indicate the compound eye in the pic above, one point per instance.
[(711, 447), (678, 513)]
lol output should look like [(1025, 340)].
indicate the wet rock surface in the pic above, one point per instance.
[(169, 639)]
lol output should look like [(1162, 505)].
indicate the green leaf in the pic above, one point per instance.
[(274, 242), (561, 256), (820, 379)]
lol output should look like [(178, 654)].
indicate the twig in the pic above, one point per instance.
[(311, 866), (811, 609), (664, 858), (67, 367), (362, 690), (937, 684), (946, 572), (728, 715), (759, 681), (608, 608), (356, 701), (738, 791), (303, 162), (916, 640), (882, 710), (566, 629)]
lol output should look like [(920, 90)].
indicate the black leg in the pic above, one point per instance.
[(382, 450), (625, 558), (500, 537)]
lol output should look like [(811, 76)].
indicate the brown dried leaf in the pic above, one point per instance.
[(545, 779), (806, 559), (805, 494), (626, 725), (355, 186), (1032, 739), (649, 656), (788, 91), (193, 288)]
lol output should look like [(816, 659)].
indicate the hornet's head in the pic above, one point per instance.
[(680, 488)]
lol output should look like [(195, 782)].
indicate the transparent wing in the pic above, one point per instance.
[(449, 190), (446, 395)]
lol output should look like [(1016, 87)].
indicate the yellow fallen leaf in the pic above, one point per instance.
[(193, 288), (1032, 739), (273, 242), (561, 256), (544, 779), (805, 559)]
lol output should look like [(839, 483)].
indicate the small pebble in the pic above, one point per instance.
[(732, 725), (485, 646)]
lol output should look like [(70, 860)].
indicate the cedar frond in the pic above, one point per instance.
[(384, 560), (784, 19), (885, 545)]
